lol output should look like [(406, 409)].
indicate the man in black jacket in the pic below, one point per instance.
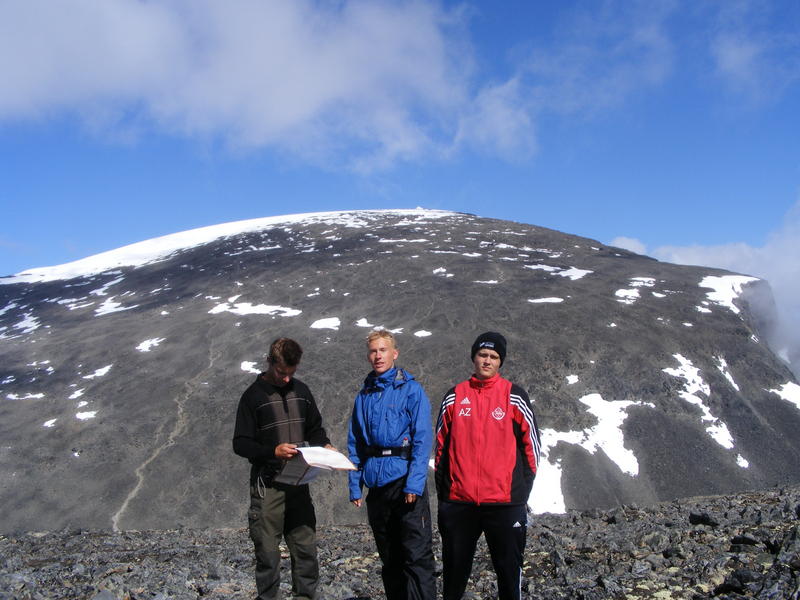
[(275, 415)]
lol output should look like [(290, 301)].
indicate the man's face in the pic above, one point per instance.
[(487, 363), (280, 374), (381, 354)]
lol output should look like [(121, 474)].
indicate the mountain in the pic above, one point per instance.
[(120, 374)]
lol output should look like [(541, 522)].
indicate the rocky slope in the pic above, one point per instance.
[(728, 547), (119, 375)]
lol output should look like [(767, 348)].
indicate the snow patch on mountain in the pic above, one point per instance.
[(24, 397), (99, 372), (722, 365), (790, 392), (327, 323), (632, 294), (694, 386), (726, 289), (627, 296), (247, 308), (148, 345), (572, 273), (28, 324), (606, 435), (110, 306), (103, 290)]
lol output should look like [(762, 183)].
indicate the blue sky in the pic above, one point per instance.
[(670, 127)]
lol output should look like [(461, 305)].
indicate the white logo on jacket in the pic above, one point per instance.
[(498, 413), (465, 401), (465, 412)]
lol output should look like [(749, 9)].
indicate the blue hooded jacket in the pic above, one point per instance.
[(390, 410)]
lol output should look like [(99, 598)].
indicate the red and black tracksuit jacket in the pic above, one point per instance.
[(487, 443)]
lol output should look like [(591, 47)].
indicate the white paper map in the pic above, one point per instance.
[(316, 456)]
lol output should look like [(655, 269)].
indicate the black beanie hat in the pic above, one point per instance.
[(493, 341)]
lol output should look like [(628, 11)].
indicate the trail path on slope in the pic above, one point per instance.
[(178, 429)]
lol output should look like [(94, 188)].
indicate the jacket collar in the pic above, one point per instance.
[(394, 377), (484, 383)]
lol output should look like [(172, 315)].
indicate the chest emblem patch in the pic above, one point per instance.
[(498, 413)]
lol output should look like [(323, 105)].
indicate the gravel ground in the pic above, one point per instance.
[(728, 547)]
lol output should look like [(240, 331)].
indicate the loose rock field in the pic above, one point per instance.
[(728, 547)]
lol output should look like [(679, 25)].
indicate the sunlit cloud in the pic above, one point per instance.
[(356, 84), (378, 79)]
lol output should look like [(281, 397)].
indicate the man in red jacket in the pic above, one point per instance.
[(487, 452)]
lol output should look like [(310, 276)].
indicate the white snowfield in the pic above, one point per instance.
[(606, 436), (148, 345), (160, 248), (328, 323), (790, 392), (695, 389), (726, 289), (247, 308)]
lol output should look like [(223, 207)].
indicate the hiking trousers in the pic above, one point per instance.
[(403, 536), (284, 512), (504, 527)]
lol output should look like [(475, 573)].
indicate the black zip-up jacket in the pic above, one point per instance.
[(269, 415)]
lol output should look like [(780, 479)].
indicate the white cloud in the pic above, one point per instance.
[(302, 76), (754, 49), (603, 57), (499, 119), (352, 83), (627, 243)]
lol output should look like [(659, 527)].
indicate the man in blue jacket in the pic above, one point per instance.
[(390, 441)]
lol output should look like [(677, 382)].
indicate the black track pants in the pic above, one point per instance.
[(460, 526), (403, 537)]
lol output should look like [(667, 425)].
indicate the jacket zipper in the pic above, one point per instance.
[(481, 441)]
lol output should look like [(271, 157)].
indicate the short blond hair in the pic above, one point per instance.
[(382, 334)]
